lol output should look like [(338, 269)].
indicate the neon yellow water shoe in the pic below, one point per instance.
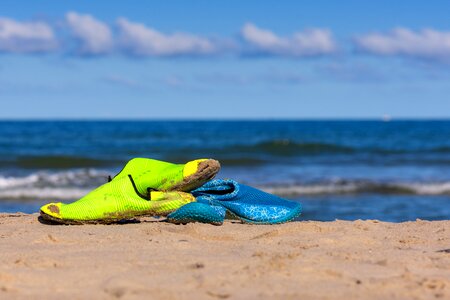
[(114, 201), (151, 174)]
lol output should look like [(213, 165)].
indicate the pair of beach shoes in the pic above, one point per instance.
[(181, 192)]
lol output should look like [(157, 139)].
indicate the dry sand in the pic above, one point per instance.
[(157, 260)]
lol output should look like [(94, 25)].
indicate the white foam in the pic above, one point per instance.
[(74, 177), (422, 188), (45, 185), (9, 182), (43, 193), (431, 188), (311, 189)]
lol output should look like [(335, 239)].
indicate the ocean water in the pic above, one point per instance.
[(391, 171)]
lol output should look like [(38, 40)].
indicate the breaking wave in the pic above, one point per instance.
[(44, 185), (362, 187), (73, 184)]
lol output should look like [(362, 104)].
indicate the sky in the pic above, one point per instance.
[(224, 59)]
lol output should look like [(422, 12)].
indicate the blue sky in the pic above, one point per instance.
[(224, 59)]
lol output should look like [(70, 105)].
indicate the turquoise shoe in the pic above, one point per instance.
[(250, 205)]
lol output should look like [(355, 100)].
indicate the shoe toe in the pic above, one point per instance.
[(52, 209), (191, 167)]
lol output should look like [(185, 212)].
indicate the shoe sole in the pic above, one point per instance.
[(105, 221)]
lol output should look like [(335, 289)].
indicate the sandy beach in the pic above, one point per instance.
[(153, 259)]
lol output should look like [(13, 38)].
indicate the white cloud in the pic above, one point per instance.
[(427, 43), (26, 37), (94, 36), (309, 42), (138, 39)]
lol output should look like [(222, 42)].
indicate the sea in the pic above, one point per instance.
[(348, 169)]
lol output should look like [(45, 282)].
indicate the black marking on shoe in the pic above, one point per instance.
[(136, 190)]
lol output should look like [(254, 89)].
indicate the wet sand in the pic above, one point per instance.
[(158, 260)]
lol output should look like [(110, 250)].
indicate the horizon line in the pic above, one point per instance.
[(226, 119)]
